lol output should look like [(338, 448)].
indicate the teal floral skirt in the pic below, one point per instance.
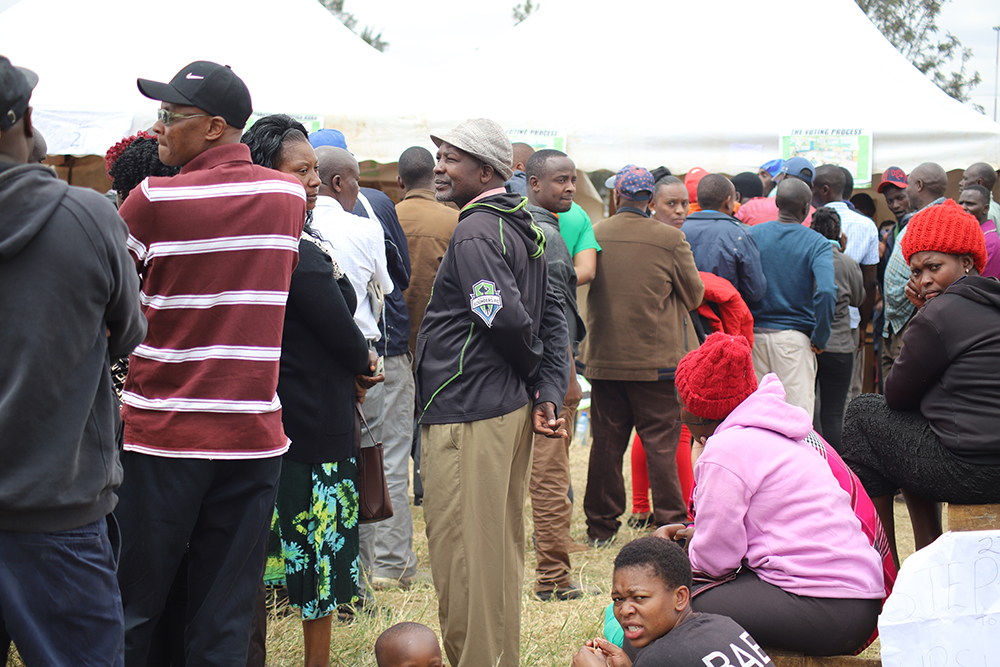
[(314, 547)]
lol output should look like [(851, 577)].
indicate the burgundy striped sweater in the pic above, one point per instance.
[(215, 247)]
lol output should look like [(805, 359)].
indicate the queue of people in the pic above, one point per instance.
[(265, 313)]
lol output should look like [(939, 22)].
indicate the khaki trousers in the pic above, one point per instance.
[(475, 477), (788, 355), (551, 508)]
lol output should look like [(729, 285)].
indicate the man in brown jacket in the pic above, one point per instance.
[(428, 225), (639, 328)]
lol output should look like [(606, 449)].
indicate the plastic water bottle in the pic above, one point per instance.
[(582, 422)]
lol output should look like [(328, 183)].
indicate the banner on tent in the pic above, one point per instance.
[(311, 121), (538, 139), (849, 148)]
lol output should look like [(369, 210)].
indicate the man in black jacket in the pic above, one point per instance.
[(491, 367), (69, 298)]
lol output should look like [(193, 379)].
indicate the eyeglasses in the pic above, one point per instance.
[(169, 117)]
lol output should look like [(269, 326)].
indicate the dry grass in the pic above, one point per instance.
[(551, 632)]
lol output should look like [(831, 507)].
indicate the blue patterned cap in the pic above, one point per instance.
[(636, 183), (773, 166)]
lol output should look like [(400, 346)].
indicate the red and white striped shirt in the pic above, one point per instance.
[(215, 247)]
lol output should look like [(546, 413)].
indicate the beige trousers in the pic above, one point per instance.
[(788, 355), (475, 478)]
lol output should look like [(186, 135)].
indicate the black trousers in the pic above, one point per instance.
[(833, 375), (790, 622), (221, 511), (652, 409)]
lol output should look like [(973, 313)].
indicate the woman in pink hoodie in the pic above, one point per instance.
[(775, 543)]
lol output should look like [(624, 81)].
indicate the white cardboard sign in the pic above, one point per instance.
[(944, 610)]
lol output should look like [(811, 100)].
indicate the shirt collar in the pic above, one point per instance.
[(326, 201), (632, 209), (217, 155), (488, 193)]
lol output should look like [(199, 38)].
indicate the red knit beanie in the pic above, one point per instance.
[(945, 228), (712, 380)]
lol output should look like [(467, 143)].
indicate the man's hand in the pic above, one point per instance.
[(365, 382), (544, 422), (359, 391), (816, 350), (575, 392)]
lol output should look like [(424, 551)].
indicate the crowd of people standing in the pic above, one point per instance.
[(266, 316)]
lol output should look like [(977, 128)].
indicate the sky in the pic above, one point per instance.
[(416, 33)]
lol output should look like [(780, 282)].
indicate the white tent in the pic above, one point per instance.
[(710, 84), (713, 84), (294, 56)]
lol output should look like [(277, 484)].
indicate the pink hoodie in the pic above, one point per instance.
[(764, 496)]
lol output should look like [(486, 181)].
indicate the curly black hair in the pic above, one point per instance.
[(268, 136), (826, 221), (669, 562), (141, 158)]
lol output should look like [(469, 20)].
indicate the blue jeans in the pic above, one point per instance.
[(59, 598)]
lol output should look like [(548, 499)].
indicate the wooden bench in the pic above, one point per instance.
[(787, 659), (973, 517)]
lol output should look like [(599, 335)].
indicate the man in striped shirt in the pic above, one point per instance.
[(215, 247)]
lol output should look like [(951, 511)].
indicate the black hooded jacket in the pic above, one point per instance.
[(493, 337), (949, 366), (69, 297)]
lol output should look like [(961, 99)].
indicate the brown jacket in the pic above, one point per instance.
[(428, 225), (638, 308)]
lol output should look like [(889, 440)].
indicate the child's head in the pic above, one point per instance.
[(651, 588), (408, 645)]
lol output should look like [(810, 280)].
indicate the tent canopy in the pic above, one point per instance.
[(640, 81), (714, 84)]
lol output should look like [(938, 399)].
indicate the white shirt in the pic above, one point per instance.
[(358, 245), (862, 243)]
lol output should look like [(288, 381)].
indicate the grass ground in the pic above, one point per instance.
[(551, 632)]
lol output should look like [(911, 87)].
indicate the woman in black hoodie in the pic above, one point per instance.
[(933, 434)]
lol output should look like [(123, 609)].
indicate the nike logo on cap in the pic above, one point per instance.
[(193, 76)]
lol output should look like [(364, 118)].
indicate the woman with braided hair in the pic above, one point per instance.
[(315, 544)]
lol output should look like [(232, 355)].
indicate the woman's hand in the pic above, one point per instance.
[(676, 532), (912, 292), (697, 447), (599, 652)]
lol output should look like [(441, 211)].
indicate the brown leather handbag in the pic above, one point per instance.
[(373, 492)]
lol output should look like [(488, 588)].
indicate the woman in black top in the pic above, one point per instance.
[(933, 434), (315, 547)]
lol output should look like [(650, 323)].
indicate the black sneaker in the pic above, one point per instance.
[(571, 592)]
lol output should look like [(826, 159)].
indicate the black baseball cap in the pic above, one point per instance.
[(209, 86), (16, 84)]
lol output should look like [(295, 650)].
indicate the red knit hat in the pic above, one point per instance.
[(945, 228), (715, 378)]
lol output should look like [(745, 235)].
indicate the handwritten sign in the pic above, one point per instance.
[(81, 132), (945, 608)]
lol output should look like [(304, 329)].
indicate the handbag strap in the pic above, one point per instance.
[(361, 414)]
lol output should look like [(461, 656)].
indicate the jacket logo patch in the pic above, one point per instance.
[(486, 301)]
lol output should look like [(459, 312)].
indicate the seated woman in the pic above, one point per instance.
[(776, 545), (934, 433)]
